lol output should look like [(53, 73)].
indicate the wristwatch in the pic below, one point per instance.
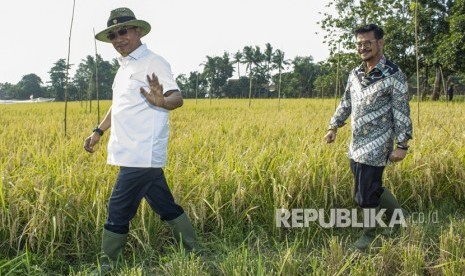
[(98, 130), (402, 147)]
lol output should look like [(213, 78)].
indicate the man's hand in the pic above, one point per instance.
[(155, 95), (91, 141), (397, 155), (330, 136)]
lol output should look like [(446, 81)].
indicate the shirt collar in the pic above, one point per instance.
[(135, 55), (379, 66)]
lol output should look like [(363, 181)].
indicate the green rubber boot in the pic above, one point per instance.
[(112, 247), (368, 235), (366, 239), (390, 203), (183, 231)]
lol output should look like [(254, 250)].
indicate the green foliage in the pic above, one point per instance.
[(7, 91), (452, 44), (85, 79), (58, 79), (193, 86), (216, 71), (440, 37), (29, 85), (393, 15), (237, 88)]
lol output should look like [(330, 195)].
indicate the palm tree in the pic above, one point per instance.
[(217, 71), (238, 59), (210, 71), (253, 57), (249, 60), (268, 56), (278, 62)]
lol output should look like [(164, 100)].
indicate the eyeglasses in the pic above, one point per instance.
[(123, 31), (364, 44)]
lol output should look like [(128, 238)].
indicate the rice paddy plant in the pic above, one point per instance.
[(230, 167), (452, 243)]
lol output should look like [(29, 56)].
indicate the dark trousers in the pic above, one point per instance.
[(368, 184), (131, 186)]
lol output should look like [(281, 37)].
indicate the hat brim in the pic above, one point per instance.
[(143, 25)]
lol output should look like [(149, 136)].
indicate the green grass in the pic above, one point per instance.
[(230, 167)]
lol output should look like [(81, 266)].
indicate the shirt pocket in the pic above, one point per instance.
[(132, 89), (137, 79), (135, 85)]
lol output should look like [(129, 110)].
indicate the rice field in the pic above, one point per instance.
[(230, 167)]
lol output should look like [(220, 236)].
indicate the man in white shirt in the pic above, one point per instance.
[(144, 90)]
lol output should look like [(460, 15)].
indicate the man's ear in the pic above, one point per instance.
[(381, 43), (139, 31)]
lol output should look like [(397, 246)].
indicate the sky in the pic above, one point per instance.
[(35, 34)]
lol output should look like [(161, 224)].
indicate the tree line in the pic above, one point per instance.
[(437, 43), (431, 32), (261, 73), (81, 87), (262, 70)]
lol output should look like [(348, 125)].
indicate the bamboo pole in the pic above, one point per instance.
[(279, 88), (443, 85), (67, 68), (196, 86), (89, 92), (418, 64), (336, 93), (96, 80), (250, 86), (211, 91)]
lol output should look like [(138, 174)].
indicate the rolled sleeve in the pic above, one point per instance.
[(162, 69)]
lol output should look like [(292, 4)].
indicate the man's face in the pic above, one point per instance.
[(368, 46), (125, 39)]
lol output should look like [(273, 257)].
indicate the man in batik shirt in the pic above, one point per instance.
[(376, 98)]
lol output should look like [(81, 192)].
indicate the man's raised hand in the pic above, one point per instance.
[(155, 95)]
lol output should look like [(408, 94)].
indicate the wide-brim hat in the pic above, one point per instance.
[(122, 17)]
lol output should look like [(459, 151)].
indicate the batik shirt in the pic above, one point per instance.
[(377, 102)]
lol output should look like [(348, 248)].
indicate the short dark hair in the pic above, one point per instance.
[(379, 33)]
